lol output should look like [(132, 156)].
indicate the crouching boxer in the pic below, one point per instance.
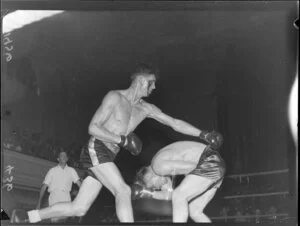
[(204, 171)]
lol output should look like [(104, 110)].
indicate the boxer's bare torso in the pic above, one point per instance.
[(123, 117), (188, 151), (122, 111)]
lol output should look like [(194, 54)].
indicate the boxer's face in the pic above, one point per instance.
[(148, 85), (160, 181), (154, 181)]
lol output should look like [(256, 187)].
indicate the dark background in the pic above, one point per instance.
[(221, 68)]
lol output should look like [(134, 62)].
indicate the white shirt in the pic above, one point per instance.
[(61, 179)]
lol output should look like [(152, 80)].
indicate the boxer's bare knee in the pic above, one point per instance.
[(180, 195), (80, 206), (123, 190), (78, 209), (81, 211)]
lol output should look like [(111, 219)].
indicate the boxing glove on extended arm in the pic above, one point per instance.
[(214, 139), (131, 143)]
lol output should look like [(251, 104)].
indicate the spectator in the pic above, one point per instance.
[(257, 216), (240, 217), (18, 148), (59, 183), (224, 213), (247, 216), (13, 142), (273, 212)]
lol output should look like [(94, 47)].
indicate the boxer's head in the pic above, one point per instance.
[(62, 158), (149, 179), (144, 79)]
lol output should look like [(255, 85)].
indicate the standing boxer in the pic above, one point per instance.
[(111, 128)]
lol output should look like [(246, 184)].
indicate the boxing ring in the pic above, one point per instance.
[(148, 210), (151, 210)]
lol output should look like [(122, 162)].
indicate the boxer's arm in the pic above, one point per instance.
[(107, 107), (166, 191), (141, 192), (162, 195), (176, 124)]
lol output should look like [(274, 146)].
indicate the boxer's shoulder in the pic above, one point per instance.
[(110, 98), (151, 109), (114, 94)]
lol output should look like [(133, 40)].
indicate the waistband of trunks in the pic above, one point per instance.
[(98, 143)]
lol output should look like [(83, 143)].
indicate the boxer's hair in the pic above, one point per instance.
[(144, 70), (139, 179)]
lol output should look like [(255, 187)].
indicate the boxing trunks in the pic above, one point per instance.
[(211, 166), (94, 153)]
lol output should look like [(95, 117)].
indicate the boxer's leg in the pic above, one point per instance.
[(111, 178), (197, 206), (58, 219), (58, 197), (87, 194), (190, 187)]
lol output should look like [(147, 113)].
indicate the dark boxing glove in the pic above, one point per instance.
[(214, 139), (131, 143)]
